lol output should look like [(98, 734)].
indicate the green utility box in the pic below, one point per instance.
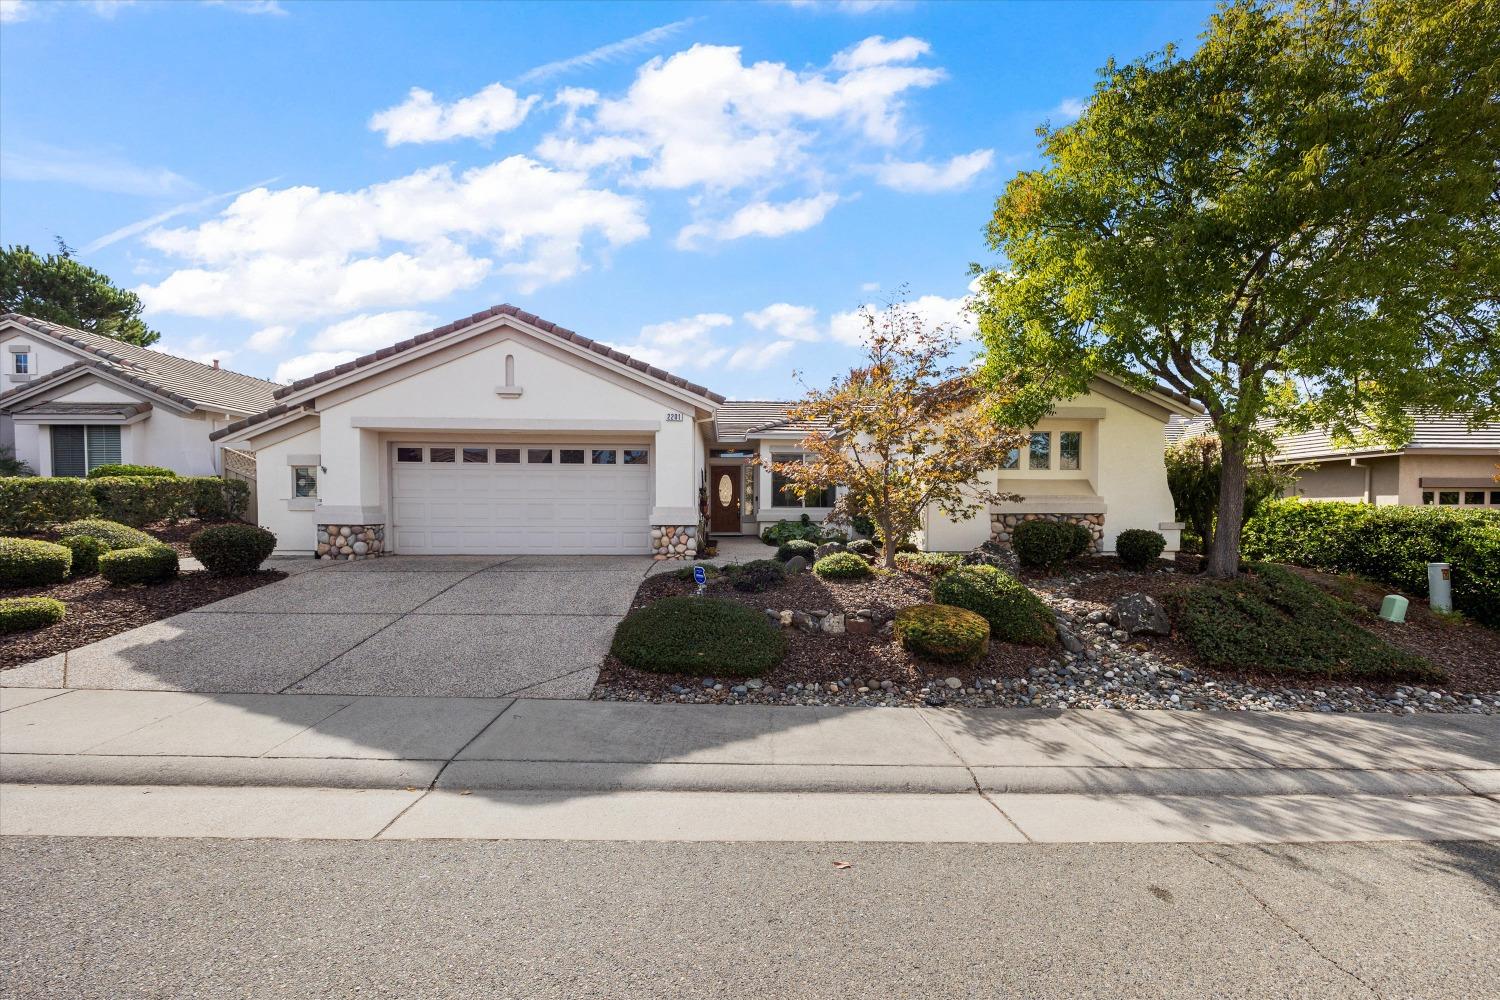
[(1393, 608)]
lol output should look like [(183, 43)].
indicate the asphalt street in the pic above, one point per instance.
[(117, 918)]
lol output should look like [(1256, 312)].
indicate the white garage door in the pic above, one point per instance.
[(507, 498)]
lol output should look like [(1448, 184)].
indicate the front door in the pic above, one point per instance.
[(724, 499)]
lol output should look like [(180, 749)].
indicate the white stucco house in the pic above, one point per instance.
[(503, 432), (71, 401)]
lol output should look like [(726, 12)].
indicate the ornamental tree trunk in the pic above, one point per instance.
[(887, 543), (1224, 553)]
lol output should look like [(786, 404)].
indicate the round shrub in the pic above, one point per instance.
[(86, 552), (112, 533), (28, 562), (232, 549), (153, 563), (943, 633), (1083, 540), (17, 614), (864, 547), (105, 471), (842, 566), (1139, 548), (796, 547), (754, 577), (1044, 544), (932, 564), (1015, 614), (698, 635)]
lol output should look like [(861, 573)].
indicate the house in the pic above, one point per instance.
[(1446, 463), (503, 432), (71, 401)]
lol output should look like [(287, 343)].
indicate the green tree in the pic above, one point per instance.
[(59, 289), (1194, 472), (1297, 225)]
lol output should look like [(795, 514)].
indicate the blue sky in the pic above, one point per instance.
[(714, 187)]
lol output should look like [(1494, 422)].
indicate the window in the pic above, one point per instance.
[(441, 454), (1012, 459), (1474, 498), (604, 456), (781, 496), (304, 480), (1495, 497), (1070, 450), (636, 456), (570, 456), (476, 456), (79, 449), (508, 456), (1448, 498), (1041, 450), (408, 454), (1427, 496), (22, 363), (538, 456)]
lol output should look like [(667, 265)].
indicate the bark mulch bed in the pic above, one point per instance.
[(818, 658)]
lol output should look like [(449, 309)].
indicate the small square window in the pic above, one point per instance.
[(570, 456), (636, 456), (442, 454), (1012, 459), (304, 480), (1495, 497), (23, 363), (508, 456), (1069, 450), (476, 456), (408, 454), (1474, 498), (1448, 498), (604, 456), (1041, 450), (1427, 497), (538, 456)]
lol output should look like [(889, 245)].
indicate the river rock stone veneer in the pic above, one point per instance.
[(350, 541), (1001, 525), (673, 541)]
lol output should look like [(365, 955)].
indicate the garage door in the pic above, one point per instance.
[(507, 498)]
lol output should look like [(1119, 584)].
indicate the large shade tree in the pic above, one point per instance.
[(1298, 224), (60, 289), (907, 429)]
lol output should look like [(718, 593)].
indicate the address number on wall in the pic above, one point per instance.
[(674, 418)]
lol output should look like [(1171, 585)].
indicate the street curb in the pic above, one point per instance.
[(1214, 781), (229, 772), (589, 776)]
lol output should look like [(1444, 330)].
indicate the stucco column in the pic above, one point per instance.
[(674, 515), (351, 515)]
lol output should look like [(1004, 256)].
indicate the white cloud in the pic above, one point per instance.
[(786, 321), (269, 338), (140, 226), (934, 310), (92, 170), (680, 344), (420, 118), (605, 53), (850, 6), (16, 10), (419, 238), (876, 51), (760, 218), (200, 348), (1068, 110), (370, 331), (271, 8), (870, 286), (759, 357), (304, 365), (927, 178)]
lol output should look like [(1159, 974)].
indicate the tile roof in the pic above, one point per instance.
[(189, 383), (738, 418), (1179, 427), (1429, 432), (52, 408)]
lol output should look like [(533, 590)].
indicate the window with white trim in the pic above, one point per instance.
[(21, 363), (305, 481), (783, 496), (78, 449)]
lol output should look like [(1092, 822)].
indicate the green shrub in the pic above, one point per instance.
[(138, 500), (1274, 621), (864, 525), (232, 549), (112, 533), (1392, 545), (1083, 541), (698, 635), (213, 498), (86, 552), (17, 614), (1043, 544), (757, 576), (34, 503), (796, 547), (932, 564), (106, 471), (842, 566), (1015, 614), (864, 547), (153, 563), (943, 633), (29, 562), (785, 531), (1139, 548)]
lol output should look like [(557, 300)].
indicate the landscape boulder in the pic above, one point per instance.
[(1141, 614)]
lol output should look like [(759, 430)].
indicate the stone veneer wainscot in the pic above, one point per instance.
[(673, 541), (1001, 525), (350, 541)]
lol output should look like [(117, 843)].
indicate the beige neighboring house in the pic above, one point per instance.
[(505, 433), (1446, 463), (71, 401)]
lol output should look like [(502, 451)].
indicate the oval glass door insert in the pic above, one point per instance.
[(726, 491)]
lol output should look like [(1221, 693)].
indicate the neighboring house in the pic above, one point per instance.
[(1446, 463), (503, 432), (71, 401)]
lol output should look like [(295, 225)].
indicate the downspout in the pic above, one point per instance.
[(1369, 479)]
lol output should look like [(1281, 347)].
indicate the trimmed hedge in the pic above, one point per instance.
[(1392, 545), (31, 503), (1015, 614), (1273, 621), (698, 635), (112, 533), (232, 549), (842, 566), (105, 471), (1043, 544), (18, 614), (756, 576), (1083, 540), (86, 552), (931, 564), (1138, 548), (155, 563), (796, 547), (34, 503), (30, 562), (942, 633)]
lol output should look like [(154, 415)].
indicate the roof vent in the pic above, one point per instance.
[(216, 362)]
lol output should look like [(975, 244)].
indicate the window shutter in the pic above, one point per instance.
[(104, 446), (67, 451)]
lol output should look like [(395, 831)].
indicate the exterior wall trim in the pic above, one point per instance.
[(500, 424)]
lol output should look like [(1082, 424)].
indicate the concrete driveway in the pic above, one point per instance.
[(464, 626)]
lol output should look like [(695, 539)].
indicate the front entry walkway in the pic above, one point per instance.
[(460, 626)]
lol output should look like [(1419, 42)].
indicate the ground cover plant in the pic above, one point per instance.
[(943, 633), (698, 635)]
